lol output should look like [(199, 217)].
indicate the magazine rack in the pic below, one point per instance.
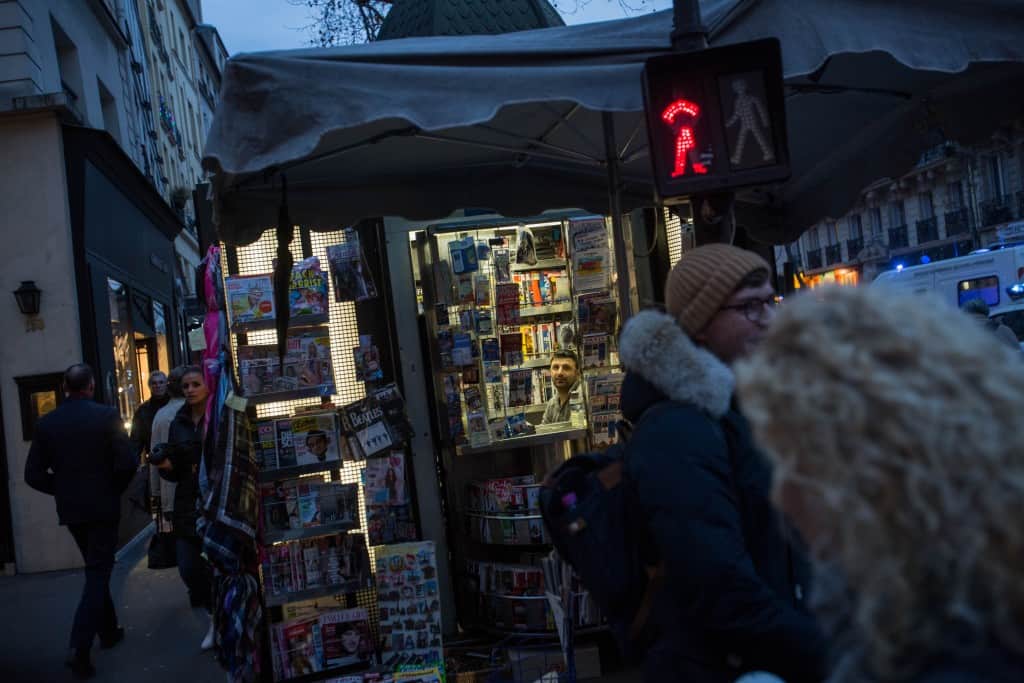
[(498, 299)]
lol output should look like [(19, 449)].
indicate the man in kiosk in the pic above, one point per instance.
[(565, 373)]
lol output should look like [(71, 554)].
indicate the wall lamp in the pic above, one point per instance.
[(28, 296)]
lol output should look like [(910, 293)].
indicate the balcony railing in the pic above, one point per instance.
[(958, 221), (853, 247), (898, 237), (996, 210), (927, 230), (833, 254), (813, 259)]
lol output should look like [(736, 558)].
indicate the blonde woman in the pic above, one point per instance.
[(895, 426)]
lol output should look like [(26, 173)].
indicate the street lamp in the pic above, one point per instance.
[(28, 296)]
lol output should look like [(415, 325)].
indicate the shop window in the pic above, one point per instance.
[(954, 195), (984, 288), (123, 386), (854, 226), (813, 238), (38, 395)]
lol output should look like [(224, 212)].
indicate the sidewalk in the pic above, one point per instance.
[(162, 632)]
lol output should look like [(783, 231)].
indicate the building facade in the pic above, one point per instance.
[(956, 199), (88, 216)]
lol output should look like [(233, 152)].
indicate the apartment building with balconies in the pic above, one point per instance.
[(956, 199)]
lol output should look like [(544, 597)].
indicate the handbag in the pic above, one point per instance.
[(163, 552)]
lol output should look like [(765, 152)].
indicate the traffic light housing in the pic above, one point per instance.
[(716, 119)]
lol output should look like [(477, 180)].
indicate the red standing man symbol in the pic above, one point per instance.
[(682, 115)]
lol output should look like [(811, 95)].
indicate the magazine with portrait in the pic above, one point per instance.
[(390, 400), (285, 444), (408, 598), (315, 438), (350, 274), (264, 444), (367, 364), (366, 428), (347, 639), (338, 503)]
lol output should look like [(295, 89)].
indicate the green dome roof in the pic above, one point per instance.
[(409, 18)]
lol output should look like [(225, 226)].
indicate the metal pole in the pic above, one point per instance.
[(688, 32), (622, 255)]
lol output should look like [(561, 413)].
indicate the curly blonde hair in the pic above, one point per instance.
[(895, 423)]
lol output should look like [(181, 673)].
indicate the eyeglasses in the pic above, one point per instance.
[(754, 309)]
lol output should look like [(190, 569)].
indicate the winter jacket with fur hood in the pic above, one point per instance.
[(735, 577)]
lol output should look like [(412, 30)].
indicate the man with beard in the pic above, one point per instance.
[(565, 372)]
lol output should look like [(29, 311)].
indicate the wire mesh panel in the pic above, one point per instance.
[(258, 258)]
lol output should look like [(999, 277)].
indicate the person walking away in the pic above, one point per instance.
[(142, 421), (81, 455), (162, 490), (178, 461), (733, 575), (980, 310), (565, 373), (896, 430)]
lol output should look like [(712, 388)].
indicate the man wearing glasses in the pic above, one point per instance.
[(733, 577)]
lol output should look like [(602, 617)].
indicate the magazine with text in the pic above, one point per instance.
[(250, 298)]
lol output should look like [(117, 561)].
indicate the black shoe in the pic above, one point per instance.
[(81, 667), (111, 639)]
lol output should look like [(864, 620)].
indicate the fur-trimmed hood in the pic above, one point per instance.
[(653, 346)]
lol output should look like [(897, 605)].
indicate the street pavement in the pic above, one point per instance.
[(162, 632)]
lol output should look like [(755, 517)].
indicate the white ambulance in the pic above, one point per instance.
[(994, 275)]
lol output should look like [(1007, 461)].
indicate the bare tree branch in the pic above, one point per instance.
[(346, 22)]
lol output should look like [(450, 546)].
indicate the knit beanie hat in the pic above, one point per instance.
[(704, 279)]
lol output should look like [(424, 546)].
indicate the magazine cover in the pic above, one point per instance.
[(462, 349), (385, 480), (347, 639), (520, 388), (512, 349), (308, 360), (309, 504), (273, 499), (390, 400), (250, 298), (506, 297), (315, 438), (484, 323), (408, 598), (307, 290), (502, 265), (338, 503), (492, 372), (349, 272), (483, 290), (366, 428), (490, 350), (346, 560), (597, 314), (285, 446), (265, 444), (548, 243), (367, 364), (257, 370), (303, 649), (463, 255), (388, 508)]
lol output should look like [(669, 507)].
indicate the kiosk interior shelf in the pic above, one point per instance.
[(528, 441), (267, 476)]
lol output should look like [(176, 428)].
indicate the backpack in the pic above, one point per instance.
[(595, 523)]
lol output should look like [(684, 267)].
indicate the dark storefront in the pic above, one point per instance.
[(126, 275)]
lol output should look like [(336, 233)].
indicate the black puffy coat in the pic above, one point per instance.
[(736, 575), (185, 457)]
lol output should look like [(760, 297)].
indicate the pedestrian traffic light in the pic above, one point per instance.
[(716, 119)]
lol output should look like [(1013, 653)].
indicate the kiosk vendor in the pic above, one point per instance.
[(565, 373)]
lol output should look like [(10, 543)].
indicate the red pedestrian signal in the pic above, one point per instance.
[(716, 119), (681, 115)]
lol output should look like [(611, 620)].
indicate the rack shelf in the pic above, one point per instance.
[(542, 264), (545, 309), (327, 673), (294, 395), (491, 515), (270, 324), (309, 532), (313, 593), (538, 439), (267, 476)]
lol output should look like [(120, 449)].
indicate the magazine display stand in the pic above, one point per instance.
[(321, 539), (499, 298)]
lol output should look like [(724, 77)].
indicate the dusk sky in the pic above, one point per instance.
[(255, 25)]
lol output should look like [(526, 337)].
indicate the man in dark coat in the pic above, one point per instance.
[(82, 457), (142, 421), (734, 576)]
